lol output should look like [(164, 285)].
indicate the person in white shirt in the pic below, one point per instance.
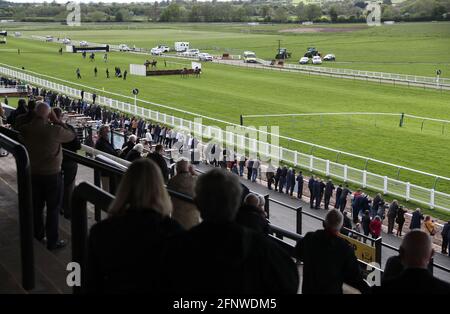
[(149, 137)]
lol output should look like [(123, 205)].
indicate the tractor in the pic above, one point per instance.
[(282, 54), (311, 52)]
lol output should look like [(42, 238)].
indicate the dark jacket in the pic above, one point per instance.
[(162, 164), (392, 211), (105, 146), (126, 148), (446, 231), (376, 202), (329, 261), (73, 146), (252, 218), (400, 216), (299, 179), (393, 268), (329, 187), (346, 226), (124, 254), (317, 188), (413, 281), (338, 192), (278, 173), (345, 193), (133, 155), (311, 184), (365, 222), (358, 203), (416, 220), (322, 188), (227, 258), (16, 113)]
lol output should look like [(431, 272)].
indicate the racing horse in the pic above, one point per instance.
[(151, 63), (185, 72), (197, 72)]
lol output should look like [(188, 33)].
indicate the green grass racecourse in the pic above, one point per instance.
[(225, 92), (411, 48)]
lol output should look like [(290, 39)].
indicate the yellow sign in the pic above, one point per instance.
[(363, 251)]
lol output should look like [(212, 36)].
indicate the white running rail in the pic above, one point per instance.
[(426, 196)]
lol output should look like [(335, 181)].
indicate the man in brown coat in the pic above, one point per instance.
[(43, 137), (185, 213)]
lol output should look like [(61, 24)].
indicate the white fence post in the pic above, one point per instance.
[(345, 173), (385, 186), (295, 158), (311, 162), (432, 198), (327, 169), (408, 191), (364, 183)]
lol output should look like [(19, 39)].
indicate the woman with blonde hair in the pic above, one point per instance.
[(125, 249)]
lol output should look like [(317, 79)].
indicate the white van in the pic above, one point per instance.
[(249, 57), (181, 46)]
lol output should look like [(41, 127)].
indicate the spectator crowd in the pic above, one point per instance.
[(216, 238)]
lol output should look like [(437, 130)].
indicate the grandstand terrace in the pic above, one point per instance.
[(289, 218)]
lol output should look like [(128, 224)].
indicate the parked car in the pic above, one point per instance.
[(48, 38), (66, 41), (17, 34), (156, 51), (83, 43), (249, 57), (191, 53), (163, 48), (317, 60), (303, 60), (329, 57), (205, 57), (123, 47)]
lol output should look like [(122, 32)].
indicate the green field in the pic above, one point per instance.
[(225, 92), (410, 48)]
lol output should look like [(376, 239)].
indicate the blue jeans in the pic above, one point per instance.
[(241, 170), (254, 174)]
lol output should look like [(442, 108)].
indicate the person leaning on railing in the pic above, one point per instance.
[(416, 252), (328, 260)]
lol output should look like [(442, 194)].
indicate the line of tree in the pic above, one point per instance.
[(233, 11)]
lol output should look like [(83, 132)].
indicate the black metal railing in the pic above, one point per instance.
[(377, 243), (279, 234), (25, 204), (83, 193)]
